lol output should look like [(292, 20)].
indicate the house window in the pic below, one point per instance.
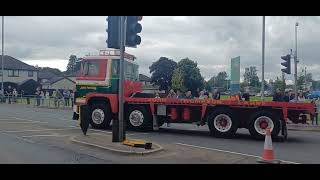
[(0, 73), (30, 73), (13, 73)]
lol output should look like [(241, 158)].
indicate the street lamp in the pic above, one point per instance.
[(263, 47), (2, 73), (295, 65)]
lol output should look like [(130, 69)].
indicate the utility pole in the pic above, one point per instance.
[(295, 65), (2, 54), (121, 83), (305, 78), (263, 47)]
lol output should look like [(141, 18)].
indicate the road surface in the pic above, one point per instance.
[(38, 135)]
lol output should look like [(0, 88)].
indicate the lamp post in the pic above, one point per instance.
[(295, 65), (263, 47), (2, 54)]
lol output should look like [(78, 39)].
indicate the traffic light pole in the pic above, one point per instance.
[(121, 82), (295, 66), (263, 46)]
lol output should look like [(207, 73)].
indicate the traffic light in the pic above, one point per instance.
[(133, 28), (113, 30), (286, 64)]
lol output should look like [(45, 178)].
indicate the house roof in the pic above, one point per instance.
[(56, 79), (46, 75), (145, 78), (13, 63)]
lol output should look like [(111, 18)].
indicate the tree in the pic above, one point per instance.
[(221, 80), (162, 71), (279, 84), (250, 77), (73, 65), (177, 81), (246, 76), (191, 77)]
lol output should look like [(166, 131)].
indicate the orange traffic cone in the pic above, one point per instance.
[(268, 154)]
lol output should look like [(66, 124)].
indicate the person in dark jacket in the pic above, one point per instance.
[(277, 97), (286, 97), (246, 96)]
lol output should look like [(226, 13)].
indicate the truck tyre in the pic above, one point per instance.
[(139, 119), (100, 114), (262, 120), (222, 123)]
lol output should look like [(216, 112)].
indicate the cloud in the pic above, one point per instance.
[(211, 41)]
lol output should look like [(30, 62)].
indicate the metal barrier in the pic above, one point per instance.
[(37, 101)]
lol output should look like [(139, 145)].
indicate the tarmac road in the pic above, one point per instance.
[(38, 135)]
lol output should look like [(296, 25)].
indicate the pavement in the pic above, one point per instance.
[(38, 135), (104, 141), (303, 127)]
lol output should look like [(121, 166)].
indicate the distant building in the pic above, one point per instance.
[(16, 71), (46, 76), (59, 83), (148, 87)]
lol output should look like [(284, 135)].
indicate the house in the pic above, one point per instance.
[(16, 71), (59, 83), (145, 80), (45, 76), (147, 86)]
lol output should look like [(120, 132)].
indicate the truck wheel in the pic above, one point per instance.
[(139, 119), (100, 116), (262, 120), (222, 123)]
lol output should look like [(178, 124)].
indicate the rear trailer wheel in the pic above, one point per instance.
[(262, 120), (139, 119), (222, 123), (100, 116)]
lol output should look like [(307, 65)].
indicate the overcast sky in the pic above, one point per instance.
[(211, 41)]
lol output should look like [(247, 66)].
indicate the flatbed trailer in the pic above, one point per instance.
[(223, 117), (97, 89)]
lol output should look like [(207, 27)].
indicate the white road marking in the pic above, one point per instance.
[(46, 135), (8, 122), (39, 130), (219, 150)]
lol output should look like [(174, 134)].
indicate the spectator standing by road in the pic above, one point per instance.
[(286, 97), (14, 95), (188, 95), (9, 94), (216, 94), (1, 96), (171, 94), (42, 96), (179, 95), (301, 97), (47, 99), (38, 96), (72, 97), (246, 96), (55, 98), (201, 95), (59, 98), (277, 97), (66, 96)]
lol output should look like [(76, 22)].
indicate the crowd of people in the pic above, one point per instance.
[(188, 95), (288, 96), (60, 97), (42, 97)]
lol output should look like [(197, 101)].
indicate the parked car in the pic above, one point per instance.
[(313, 95)]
